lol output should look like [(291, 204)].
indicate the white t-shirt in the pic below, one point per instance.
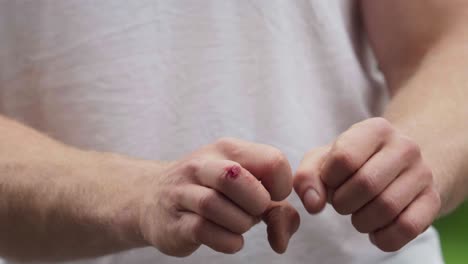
[(157, 79)]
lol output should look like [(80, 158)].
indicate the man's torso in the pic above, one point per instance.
[(157, 79)]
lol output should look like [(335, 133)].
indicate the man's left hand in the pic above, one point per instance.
[(377, 175)]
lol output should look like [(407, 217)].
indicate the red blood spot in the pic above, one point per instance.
[(233, 172)]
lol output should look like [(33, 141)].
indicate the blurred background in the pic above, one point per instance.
[(453, 230)]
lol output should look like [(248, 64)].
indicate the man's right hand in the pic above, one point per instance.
[(61, 203), (216, 194)]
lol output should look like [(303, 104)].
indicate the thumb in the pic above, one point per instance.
[(307, 183), (282, 221)]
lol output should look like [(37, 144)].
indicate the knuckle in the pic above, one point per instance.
[(277, 158), (222, 179), (389, 207), (367, 182), (358, 223), (234, 247), (230, 249), (340, 209), (340, 206), (382, 126), (342, 157), (182, 253), (388, 241), (244, 227), (193, 165), (389, 246), (409, 227), (409, 149), (197, 230), (426, 174), (224, 141), (301, 175), (249, 223), (206, 202), (175, 195), (226, 145), (301, 178)]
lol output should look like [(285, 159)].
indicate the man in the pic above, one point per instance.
[(161, 81)]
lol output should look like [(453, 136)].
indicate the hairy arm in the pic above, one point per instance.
[(61, 203), (421, 47), (395, 175), (57, 202)]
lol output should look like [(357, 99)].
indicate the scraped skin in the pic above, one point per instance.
[(107, 203), (233, 172), (395, 175)]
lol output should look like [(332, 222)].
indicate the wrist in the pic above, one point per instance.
[(123, 181)]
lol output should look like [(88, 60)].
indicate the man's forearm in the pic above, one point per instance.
[(421, 49), (57, 202), (60, 203), (431, 107)]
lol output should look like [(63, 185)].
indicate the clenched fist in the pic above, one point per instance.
[(215, 195), (377, 175)]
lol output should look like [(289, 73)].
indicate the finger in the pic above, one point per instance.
[(413, 221), (282, 222), (386, 207), (307, 182), (374, 176), (235, 182), (352, 149), (201, 231), (265, 162), (215, 207)]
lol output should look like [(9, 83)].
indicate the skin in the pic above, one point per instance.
[(61, 203), (396, 174)]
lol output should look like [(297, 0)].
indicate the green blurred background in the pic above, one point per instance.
[(453, 231)]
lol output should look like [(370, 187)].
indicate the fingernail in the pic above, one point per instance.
[(311, 197)]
